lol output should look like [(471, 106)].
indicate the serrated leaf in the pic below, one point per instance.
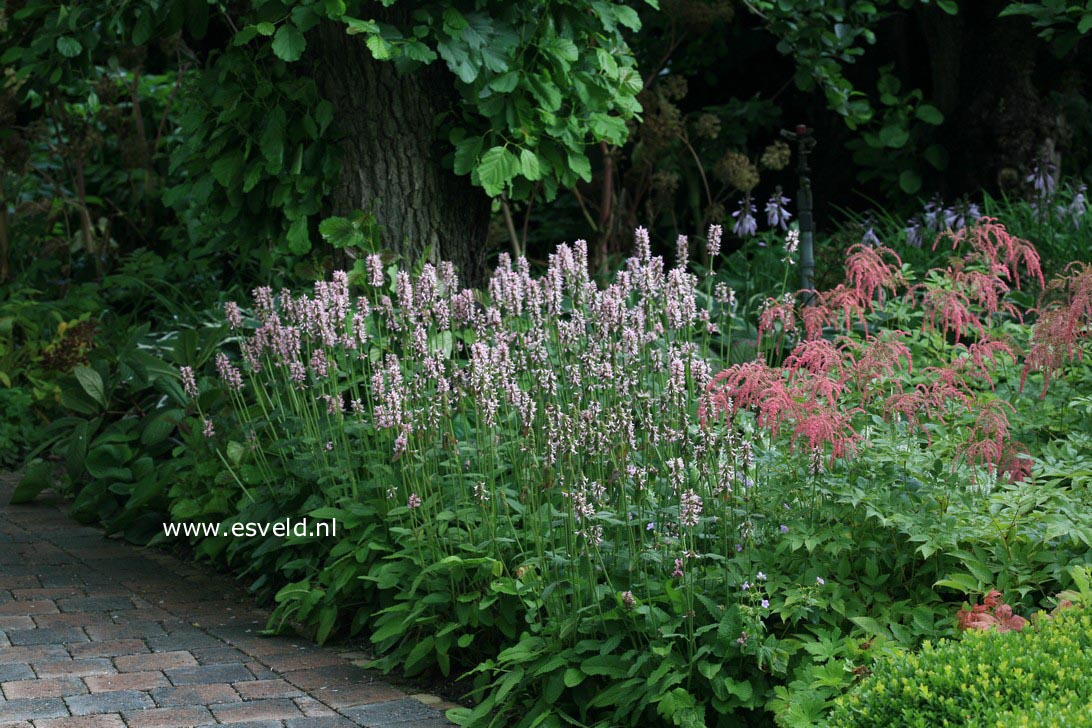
[(380, 48), (466, 154), (339, 232), (91, 381), (496, 169), (580, 164), (529, 165), (505, 83), (289, 43), (266, 28), (356, 25)]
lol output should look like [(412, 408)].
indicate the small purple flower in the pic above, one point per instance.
[(745, 225), (746, 586), (739, 548), (784, 528), (233, 315), (414, 501), (678, 572), (760, 576), (712, 244), (628, 600), (765, 603), (820, 580), (1042, 177), (208, 430), (651, 526), (777, 214)]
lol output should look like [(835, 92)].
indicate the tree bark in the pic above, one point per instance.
[(391, 161)]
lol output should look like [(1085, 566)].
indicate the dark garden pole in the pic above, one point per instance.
[(805, 143)]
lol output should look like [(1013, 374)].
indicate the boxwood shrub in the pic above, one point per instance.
[(1040, 676)]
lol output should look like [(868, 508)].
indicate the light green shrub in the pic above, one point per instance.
[(1040, 676)]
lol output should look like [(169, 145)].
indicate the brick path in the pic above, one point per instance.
[(97, 633)]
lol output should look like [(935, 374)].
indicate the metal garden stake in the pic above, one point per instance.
[(805, 143)]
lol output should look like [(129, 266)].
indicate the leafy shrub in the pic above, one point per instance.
[(1035, 677)]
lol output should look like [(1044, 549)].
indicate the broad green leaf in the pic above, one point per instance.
[(355, 26), (69, 47), (929, 114), (91, 381), (39, 476), (466, 154), (266, 29), (497, 167), (580, 164), (529, 165), (909, 181), (299, 242), (380, 48), (289, 43)]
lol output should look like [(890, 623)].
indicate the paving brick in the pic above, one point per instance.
[(94, 604), (11, 655), (205, 674), (22, 609), (303, 659), (110, 720), (15, 671), (17, 622), (47, 593), (261, 672), (112, 702), (275, 688), (126, 681), (60, 577), (59, 687), (128, 630), (154, 661), (217, 655), (29, 709), (195, 695), (183, 641), (27, 581), (391, 712), (274, 709), (312, 707), (74, 668), (325, 721), (169, 717), (71, 619), (108, 648), (46, 636), (345, 696)]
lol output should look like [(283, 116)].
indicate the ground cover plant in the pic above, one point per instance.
[(571, 493)]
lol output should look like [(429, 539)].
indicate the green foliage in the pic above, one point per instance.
[(1041, 675)]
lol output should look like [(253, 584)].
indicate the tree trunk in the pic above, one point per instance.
[(391, 161)]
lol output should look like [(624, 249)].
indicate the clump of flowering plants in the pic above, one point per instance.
[(563, 487)]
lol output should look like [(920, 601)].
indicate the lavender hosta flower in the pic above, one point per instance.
[(745, 225), (869, 239), (1041, 177), (914, 234), (712, 242), (1076, 208), (777, 213), (189, 382), (207, 429)]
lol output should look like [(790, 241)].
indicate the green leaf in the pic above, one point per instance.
[(266, 29), (910, 181), (355, 26), (580, 164), (573, 677), (929, 114), (937, 156), (92, 383), (466, 154), (964, 583), (1085, 23), (380, 48), (39, 476), (497, 167), (505, 83), (627, 16), (160, 427), (69, 47), (272, 141), (339, 232), (289, 43), (529, 165), (299, 242)]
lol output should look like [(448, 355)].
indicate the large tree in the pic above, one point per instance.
[(402, 119)]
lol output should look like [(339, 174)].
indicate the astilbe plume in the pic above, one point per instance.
[(817, 368), (820, 426), (986, 290), (837, 307), (990, 240), (981, 357), (988, 441), (774, 310), (878, 358), (868, 273), (950, 311), (1063, 324)]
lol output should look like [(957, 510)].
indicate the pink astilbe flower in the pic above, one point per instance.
[(982, 357), (987, 443), (950, 311), (879, 358), (774, 310), (868, 273), (985, 290), (822, 426), (838, 306), (996, 246), (1063, 325), (817, 367)]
